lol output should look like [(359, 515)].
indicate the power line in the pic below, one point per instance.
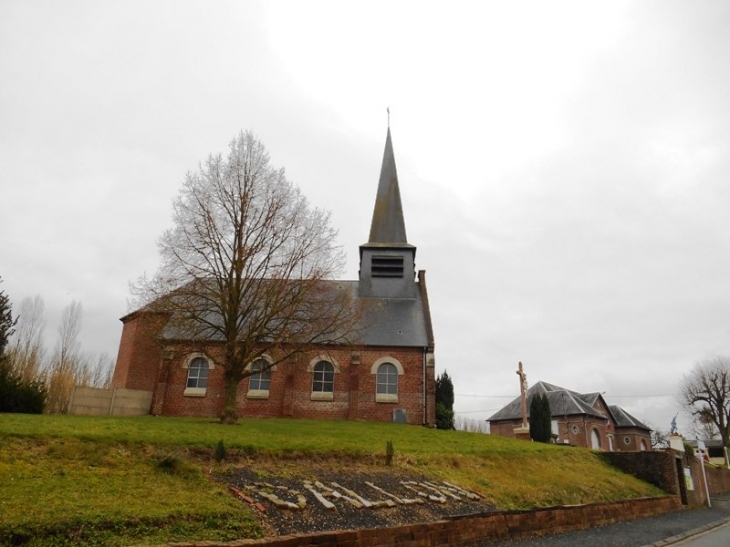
[(488, 396), (635, 395)]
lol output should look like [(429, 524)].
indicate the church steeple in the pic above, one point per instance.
[(387, 260), (388, 225)]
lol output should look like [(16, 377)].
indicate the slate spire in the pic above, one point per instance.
[(388, 226)]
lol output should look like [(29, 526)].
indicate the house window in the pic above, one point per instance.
[(197, 382), (260, 380), (323, 381), (627, 440), (642, 446), (595, 440)]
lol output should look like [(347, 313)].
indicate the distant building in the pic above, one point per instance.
[(388, 376), (578, 419), (711, 451)]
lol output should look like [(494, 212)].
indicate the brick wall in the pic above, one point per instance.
[(666, 470), (489, 527), (290, 391), (139, 351), (718, 480), (657, 468)]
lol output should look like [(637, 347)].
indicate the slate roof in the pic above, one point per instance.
[(398, 322), (388, 227), (564, 402), (624, 419)]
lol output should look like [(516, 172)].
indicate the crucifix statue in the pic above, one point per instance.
[(523, 393)]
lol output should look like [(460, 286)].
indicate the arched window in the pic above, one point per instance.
[(595, 440), (387, 380), (197, 381), (642, 445), (386, 371), (260, 379), (323, 381)]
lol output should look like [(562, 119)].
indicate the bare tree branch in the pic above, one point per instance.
[(705, 392), (249, 264)]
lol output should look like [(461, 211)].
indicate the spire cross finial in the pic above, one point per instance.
[(388, 111)]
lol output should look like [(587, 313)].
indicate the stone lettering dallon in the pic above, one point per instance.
[(328, 496)]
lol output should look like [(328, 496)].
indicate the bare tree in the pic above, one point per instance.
[(245, 264), (705, 392), (27, 352), (472, 425), (65, 369), (659, 438)]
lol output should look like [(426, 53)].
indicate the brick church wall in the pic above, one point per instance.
[(290, 390), (139, 352)]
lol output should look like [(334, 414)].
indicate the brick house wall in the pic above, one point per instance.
[(576, 429)]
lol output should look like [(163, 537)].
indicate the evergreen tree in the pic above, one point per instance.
[(540, 418), (6, 322), (444, 402), (15, 396)]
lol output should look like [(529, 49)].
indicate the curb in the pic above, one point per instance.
[(685, 535)]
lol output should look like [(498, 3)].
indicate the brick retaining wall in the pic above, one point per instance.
[(473, 529)]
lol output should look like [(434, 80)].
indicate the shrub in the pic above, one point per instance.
[(16, 396), (220, 452)]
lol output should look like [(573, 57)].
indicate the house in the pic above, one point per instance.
[(578, 419), (711, 451), (387, 376)]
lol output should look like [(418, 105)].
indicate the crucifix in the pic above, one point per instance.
[(523, 393)]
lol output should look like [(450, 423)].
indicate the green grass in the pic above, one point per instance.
[(81, 480)]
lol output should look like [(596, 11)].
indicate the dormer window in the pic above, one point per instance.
[(387, 266)]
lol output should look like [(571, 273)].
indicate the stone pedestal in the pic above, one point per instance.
[(522, 433), (676, 442)]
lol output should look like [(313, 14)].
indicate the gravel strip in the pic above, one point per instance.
[(371, 485)]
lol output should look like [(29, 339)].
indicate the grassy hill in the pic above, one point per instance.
[(80, 480)]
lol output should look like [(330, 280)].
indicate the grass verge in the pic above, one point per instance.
[(80, 480)]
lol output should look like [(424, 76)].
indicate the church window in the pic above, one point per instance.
[(387, 266), (197, 381), (386, 371), (627, 440), (260, 379), (642, 446), (323, 381), (387, 383)]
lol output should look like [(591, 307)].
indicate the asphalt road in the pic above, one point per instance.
[(717, 537), (658, 531)]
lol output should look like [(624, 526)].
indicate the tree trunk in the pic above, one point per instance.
[(229, 415)]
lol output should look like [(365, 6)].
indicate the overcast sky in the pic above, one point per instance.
[(563, 165)]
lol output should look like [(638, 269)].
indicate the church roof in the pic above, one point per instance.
[(388, 227), (398, 322)]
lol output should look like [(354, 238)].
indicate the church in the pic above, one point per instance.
[(388, 376)]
